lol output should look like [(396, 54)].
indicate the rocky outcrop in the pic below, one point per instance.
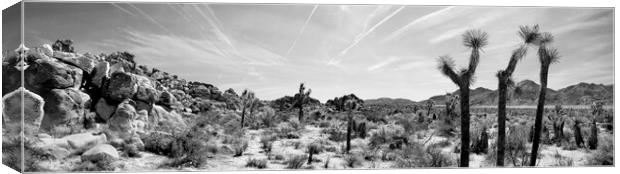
[(101, 72), (104, 110), (122, 86)]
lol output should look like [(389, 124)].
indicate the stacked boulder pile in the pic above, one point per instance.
[(89, 103)]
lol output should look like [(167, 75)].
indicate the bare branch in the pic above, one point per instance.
[(446, 66)]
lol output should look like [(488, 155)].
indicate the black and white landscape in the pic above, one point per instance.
[(219, 87)]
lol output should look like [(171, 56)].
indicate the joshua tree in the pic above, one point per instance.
[(546, 56), (451, 102), (429, 107), (350, 106), (557, 122), (529, 35), (474, 39), (247, 100), (302, 97)]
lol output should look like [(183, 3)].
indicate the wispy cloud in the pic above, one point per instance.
[(415, 22), (361, 36), (303, 28), (123, 9), (383, 63)]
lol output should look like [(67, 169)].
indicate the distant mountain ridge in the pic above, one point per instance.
[(526, 93), (389, 101)]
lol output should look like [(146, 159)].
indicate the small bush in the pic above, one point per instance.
[(416, 155), (313, 148), (267, 143), (12, 156), (295, 162), (604, 153), (353, 160), (336, 131), (99, 166), (562, 160), (257, 163), (239, 147)]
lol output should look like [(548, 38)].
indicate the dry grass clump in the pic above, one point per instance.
[(353, 160), (257, 163), (604, 153), (295, 162)]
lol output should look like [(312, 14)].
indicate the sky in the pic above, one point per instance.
[(372, 51)]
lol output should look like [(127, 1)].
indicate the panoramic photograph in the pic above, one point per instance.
[(152, 86)]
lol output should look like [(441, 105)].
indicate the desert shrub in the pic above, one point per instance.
[(279, 157), (353, 160), (337, 131), (267, 116), (239, 146), (267, 143), (516, 150), (324, 123), (385, 134), (313, 148), (158, 143), (131, 150), (12, 154), (286, 130), (295, 162), (416, 155), (257, 163), (441, 144), (99, 166), (361, 129), (295, 124), (480, 138), (212, 148), (604, 153)]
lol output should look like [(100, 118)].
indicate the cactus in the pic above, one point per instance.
[(593, 139), (247, 102), (350, 107), (474, 39)]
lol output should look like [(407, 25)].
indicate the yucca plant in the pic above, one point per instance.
[(529, 35), (546, 56), (474, 39)]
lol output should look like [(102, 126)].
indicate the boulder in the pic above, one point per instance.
[(162, 118), (104, 110), (101, 71), (100, 152), (122, 86), (146, 90), (87, 64), (65, 107), (85, 140), (116, 68), (141, 105), (12, 114), (48, 74), (122, 120), (59, 148), (167, 99)]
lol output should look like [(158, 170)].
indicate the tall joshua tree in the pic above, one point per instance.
[(302, 97), (247, 99), (529, 35), (350, 106), (546, 56), (474, 39)]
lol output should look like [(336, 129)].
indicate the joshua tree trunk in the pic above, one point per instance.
[(301, 113), (544, 70), (501, 121), (242, 116), (310, 157), (349, 132), (464, 162), (578, 137)]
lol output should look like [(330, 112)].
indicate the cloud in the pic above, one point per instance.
[(426, 17), (383, 63), (361, 37)]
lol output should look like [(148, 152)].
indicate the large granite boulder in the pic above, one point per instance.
[(41, 76), (85, 140), (160, 117), (101, 152), (12, 114), (87, 64), (167, 99), (122, 120), (146, 90), (122, 86), (65, 107)]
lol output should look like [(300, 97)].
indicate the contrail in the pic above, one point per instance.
[(217, 29), (180, 12), (363, 35), (150, 18), (414, 22), (303, 28), (123, 9)]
